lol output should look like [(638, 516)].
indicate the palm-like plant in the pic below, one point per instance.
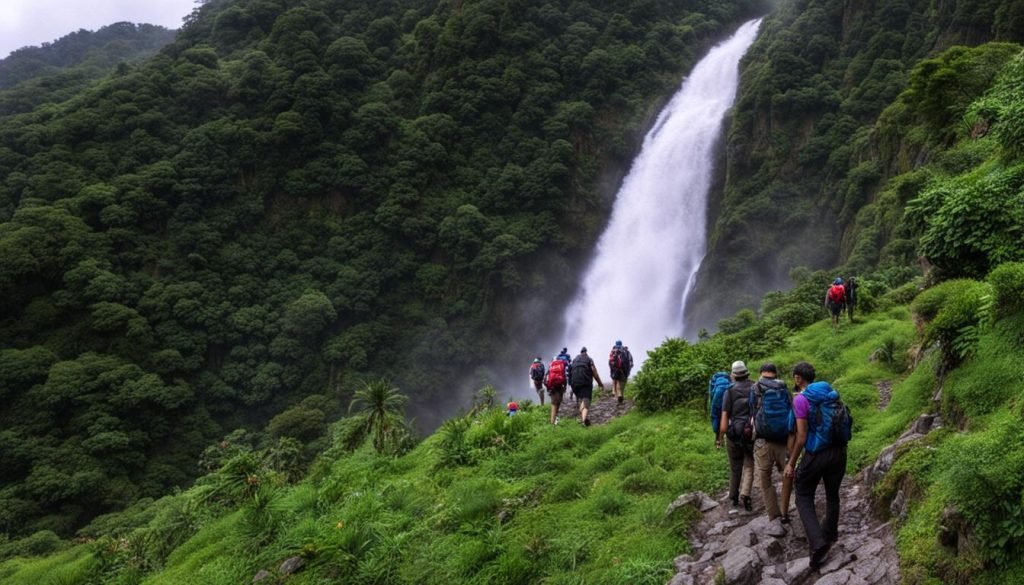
[(379, 415)]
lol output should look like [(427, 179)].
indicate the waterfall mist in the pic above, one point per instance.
[(643, 268)]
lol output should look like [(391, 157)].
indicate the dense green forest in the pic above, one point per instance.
[(207, 254), (291, 196), (59, 70), (804, 155)]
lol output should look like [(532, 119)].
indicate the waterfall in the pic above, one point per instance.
[(645, 262)]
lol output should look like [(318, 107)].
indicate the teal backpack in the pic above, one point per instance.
[(829, 422), (719, 383)]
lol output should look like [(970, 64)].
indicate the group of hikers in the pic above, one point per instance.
[(839, 296), (578, 375), (803, 435)]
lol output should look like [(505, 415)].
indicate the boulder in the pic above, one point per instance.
[(682, 579), (263, 574), (770, 551), (292, 565), (697, 500), (742, 536), (798, 570), (838, 578), (741, 566)]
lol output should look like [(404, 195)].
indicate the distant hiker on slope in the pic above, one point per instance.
[(735, 425), (823, 428), (564, 356), (537, 377), (558, 375), (582, 374), (835, 300), (772, 407), (619, 363), (850, 288)]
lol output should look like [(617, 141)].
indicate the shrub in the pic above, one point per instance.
[(1007, 281), (738, 322), (954, 310)]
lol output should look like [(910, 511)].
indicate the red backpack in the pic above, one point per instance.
[(617, 360), (837, 294), (556, 375)]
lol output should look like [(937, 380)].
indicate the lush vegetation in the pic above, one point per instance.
[(57, 71), (290, 196), (809, 160)]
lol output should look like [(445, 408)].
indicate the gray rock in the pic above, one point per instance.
[(697, 500), (682, 563), (837, 560), (775, 528), (798, 570), (770, 551), (869, 549), (682, 579), (742, 536), (772, 581), (898, 506), (263, 574), (865, 567), (741, 566), (292, 565), (839, 578)]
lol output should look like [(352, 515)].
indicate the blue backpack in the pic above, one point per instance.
[(828, 422), (720, 382), (773, 409)]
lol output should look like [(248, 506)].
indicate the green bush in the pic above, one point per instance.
[(1007, 281), (738, 322), (39, 543), (954, 311)]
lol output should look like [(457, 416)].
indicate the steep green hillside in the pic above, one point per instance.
[(56, 71), (491, 498), (290, 196), (802, 159)]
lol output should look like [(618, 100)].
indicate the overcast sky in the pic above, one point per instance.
[(33, 22)]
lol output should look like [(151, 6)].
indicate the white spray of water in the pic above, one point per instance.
[(643, 269)]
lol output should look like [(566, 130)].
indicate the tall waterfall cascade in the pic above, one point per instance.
[(645, 263)]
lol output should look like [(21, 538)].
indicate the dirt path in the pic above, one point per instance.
[(740, 549), (602, 409)]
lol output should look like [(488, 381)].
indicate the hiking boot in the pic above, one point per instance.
[(586, 422), (746, 504), (818, 557), (620, 400), (556, 420), (734, 508), (785, 519)]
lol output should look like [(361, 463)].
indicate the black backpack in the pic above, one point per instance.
[(537, 372), (580, 372)]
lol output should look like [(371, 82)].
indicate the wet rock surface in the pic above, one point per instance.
[(602, 409)]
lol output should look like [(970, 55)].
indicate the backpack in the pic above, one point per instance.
[(719, 383), (580, 371), (829, 422), (537, 372), (556, 375), (772, 410), (617, 360), (837, 294)]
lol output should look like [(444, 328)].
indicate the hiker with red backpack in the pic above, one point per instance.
[(835, 300), (537, 377), (556, 381), (620, 362), (823, 429), (564, 356)]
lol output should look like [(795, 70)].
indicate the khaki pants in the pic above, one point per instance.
[(766, 456)]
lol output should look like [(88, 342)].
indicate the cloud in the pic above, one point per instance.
[(34, 22)]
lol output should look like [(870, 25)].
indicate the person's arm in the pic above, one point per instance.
[(723, 424), (798, 446), (593, 368)]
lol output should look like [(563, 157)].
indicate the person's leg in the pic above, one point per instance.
[(556, 402), (808, 475), (747, 478), (617, 388), (735, 452), (787, 482), (833, 477), (763, 464), (540, 393)]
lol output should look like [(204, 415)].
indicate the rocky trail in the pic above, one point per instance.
[(744, 548), (602, 409)]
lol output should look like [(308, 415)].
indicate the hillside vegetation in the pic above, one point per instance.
[(290, 196)]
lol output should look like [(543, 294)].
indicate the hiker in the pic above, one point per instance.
[(558, 375), (822, 431), (537, 377), (564, 356), (850, 288), (735, 425), (835, 300), (619, 364), (582, 374), (512, 408), (772, 407)]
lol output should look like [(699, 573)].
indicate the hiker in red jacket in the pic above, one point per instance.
[(835, 300)]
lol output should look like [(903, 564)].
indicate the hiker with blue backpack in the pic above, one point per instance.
[(823, 429), (564, 356), (736, 425), (537, 378), (772, 408)]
